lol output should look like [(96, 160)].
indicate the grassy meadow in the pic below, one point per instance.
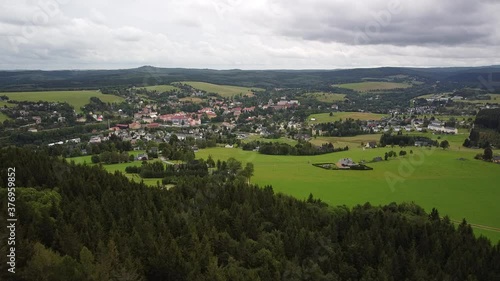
[(6, 104), (222, 90), (3, 117), (280, 140), (437, 178), (191, 99), (326, 97), (325, 117), (373, 86), (118, 167), (161, 88), (77, 99)]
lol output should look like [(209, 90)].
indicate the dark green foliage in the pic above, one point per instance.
[(301, 148), (488, 154), (95, 159), (404, 140), (486, 130), (348, 127), (82, 223), (444, 144)]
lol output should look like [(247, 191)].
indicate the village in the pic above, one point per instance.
[(148, 116)]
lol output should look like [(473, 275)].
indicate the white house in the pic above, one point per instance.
[(439, 127)]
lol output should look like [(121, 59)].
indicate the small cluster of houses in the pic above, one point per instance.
[(283, 103), (393, 124), (444, 98)]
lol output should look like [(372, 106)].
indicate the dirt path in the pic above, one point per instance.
[(479, 226)]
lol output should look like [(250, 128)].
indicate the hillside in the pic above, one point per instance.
[(81, 223), (31, 80)]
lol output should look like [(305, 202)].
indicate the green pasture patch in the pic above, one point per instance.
[(373, 86), (77, 99), (222, 90)]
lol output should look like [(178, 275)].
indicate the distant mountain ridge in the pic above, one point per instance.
[(33, 80)]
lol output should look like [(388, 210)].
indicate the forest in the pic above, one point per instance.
[(486, 131), (25, 80), (78, 222)]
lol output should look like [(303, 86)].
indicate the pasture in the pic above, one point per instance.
[(222, 90), (161, 88), (191, 99), (325, 117), (118, 167), (3, 117), (326, 97), (77, 99), (431, 178), (280, 140), (374, 86), (346, 141), (6, 104)]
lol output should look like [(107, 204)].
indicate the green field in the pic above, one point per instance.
[(346, 141), (326, 97), (161, 88), (222, 90), (191, 99), (7, 104), (325, 117), (431, 178), (373, 86), (118, 167), (457, 188), (280, 140), (77, 99), (3, 117)]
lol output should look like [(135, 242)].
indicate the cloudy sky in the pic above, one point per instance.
[(257, 34)]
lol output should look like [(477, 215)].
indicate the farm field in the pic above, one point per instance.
[(373, 86), (161, 88), (457, 188), (3, 117), (222, 90), (7, 104), (325, 117), (77, 99), (191, 99), (118, 167), (280, 140), (326, 97), (346, 141)]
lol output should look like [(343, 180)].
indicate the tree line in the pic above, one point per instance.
[(301, 148)]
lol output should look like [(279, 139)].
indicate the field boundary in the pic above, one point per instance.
[(479, 226)]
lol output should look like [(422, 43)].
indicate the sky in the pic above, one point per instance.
[(238, 34)]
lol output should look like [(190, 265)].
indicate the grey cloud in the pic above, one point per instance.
[(426, 22), (247, 34)]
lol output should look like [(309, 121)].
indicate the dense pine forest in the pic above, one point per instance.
[(79, 222)]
